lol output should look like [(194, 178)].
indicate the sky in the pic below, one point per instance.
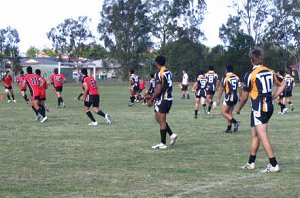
[(34, 18)]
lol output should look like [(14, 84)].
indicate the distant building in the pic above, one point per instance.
[(103, 69)]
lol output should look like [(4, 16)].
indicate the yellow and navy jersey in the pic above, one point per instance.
[(289, 82), (164, 78), (259, 83), (201, 82), (212, 77), (230, 83)]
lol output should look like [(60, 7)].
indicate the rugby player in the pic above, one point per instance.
[(57, 80), (212, 87), (22, 84), (7, 83)]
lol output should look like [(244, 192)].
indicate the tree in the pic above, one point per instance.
[(49, 52), (125, 28), (32, 52), (93, 51), (9, 50), (70, 36)]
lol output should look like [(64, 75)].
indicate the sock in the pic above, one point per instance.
[(25, 98), (101, 113), (58, 101), (90, 115), (42, 111), (282, 106), (8, 96), (188, 96), (81, 94), (163, 135), (273, 161), (13, 96), (233, 120), (183, 96), (170, 132), (35, 111), (252, 159), (228, 127), (132, 99), (196, 112)]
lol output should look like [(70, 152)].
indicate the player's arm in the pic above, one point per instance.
[(279, 89), (85, 89), (194, 87), (243, 101), (221, 90), (157, 91)]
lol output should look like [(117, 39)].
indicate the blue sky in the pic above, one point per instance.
[(34, 18)]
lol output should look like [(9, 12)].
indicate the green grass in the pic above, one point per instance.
[(64, 157)]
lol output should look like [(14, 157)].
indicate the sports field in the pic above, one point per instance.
[(64, 157)]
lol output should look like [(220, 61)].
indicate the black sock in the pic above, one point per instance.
[(8, 96), (35, 111), (252, 159), (196, 112), (233, 120), (90, 115), (290, 103), (170, 132), (163, 135), (101, 113), (282, 106), (42, 111), (228, 127), (132, 99), (188, 96), (13, 96), (58, 101), (25, 98), (81, 94), (273, 161)]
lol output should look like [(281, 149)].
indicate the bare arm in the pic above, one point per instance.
[(243, 100), (279, 89), (157, 91)]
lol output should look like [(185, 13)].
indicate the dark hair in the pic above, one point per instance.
[(229, 68), (152, 75), (84, 71), (210, 67), (29, 70), (132, 71), (281, 72), (56, 70), (22, 72), (38, 72), (7, 72), (161, 60)]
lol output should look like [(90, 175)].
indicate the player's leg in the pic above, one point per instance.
[(161, 120), (12, 94), (203, 103), (197, 101)]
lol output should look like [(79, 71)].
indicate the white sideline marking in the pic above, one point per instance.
[(201, 188)]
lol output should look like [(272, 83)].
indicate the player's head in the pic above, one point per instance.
[(38, 72), (84, 71), (21, 72), (281, 72), (132, 71), (229, 68), (160, 60), (256, 55), (56, 70), (29, 70), (183, 71), (152, 75), (210, 67), (7, 72)]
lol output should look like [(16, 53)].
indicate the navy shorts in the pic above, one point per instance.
[(258, 117), (162, 106)]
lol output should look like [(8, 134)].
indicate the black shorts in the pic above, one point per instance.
[(288, 93), (184, 87), (92, 100), (162, 106), (58, 89), (9, 87), (258, 118)]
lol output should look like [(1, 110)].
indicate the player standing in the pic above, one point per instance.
[(162, 99), (92, 98), (229, 85), (287, 93), (22, 84), (58, 80), (212, 87), (7, 83), (185, 85), (151, 88), (199, 88), (258, 83)]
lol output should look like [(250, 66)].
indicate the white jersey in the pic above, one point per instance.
[(185, 79)]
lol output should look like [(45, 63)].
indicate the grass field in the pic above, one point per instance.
[(64, 157)]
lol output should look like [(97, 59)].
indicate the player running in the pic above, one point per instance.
[(287, 93), (212, 87), (7, 83), (229, 85), (22, 84), (199, 88), (58, 80), (33, 83), (92, 98), (43, 86)]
